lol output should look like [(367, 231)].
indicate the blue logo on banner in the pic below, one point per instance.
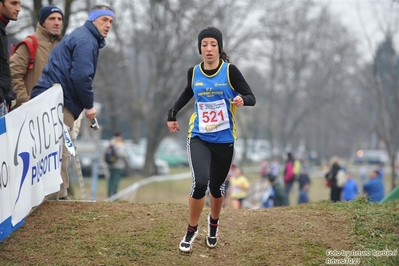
[(25, 156), (25, 159), (2, 125)]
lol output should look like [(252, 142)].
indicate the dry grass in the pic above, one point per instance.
[(148, 231), (122, 233)]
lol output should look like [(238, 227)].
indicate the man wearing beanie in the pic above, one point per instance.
[(8, 11), (48, 35), (73, 64)]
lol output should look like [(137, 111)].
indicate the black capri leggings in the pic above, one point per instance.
[(210, 163)]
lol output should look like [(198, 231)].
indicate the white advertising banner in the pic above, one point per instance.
[(34, 138), (5, 199)]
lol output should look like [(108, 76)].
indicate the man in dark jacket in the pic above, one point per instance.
[(72, 63), (331, 178), (9, 10), (278, 195), (304, 183)]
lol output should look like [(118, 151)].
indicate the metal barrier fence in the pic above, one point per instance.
[(129, 193)]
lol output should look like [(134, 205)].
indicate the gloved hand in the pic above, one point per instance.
[(11, 100)]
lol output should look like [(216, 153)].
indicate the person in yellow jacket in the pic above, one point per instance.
[(239, 187), (297, 168), (48, 35)]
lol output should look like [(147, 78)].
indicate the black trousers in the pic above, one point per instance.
[(335, 193), (210, 163)]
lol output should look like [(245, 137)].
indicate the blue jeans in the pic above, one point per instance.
[(3, 109), (303, 197)]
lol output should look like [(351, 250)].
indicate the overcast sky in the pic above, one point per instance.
[(366, 18), (375, 15)]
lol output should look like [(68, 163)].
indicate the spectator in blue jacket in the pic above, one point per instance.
[(374, 188), (351, 189), (381, 172), (72, 63), (304, 185)]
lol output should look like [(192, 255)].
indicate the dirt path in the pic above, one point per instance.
[(122, 233)]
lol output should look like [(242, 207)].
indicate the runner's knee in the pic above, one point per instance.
[(216, 192), (199, 191)]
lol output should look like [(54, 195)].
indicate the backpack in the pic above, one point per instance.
[(110, 155), (32, 47), (341, 178)]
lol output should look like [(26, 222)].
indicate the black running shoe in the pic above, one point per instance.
[(213, 232), (188, 239)]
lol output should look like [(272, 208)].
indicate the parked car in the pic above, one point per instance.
[(256, 150), (136, 159), (169, 150), (88, 155), (172, 152), (371, 157), (86, 164)]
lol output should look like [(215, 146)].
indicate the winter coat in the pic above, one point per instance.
[(73, 64), (303, 179), (350, 190), (5, 74), (23, 80), (280, 195), (332, 174), (289, 171), (374, 189), (120, 151)]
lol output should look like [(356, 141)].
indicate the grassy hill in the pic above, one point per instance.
[(122, 233)]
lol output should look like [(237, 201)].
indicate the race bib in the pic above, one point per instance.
[(212, 116)]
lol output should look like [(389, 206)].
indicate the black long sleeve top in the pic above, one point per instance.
[(237, 80)]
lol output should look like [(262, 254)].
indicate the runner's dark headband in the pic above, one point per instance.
[(213, 34)]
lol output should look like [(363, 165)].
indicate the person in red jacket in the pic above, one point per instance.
[(289, 176)]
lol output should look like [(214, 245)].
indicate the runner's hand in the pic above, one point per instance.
[(238, 101), (173, 126)]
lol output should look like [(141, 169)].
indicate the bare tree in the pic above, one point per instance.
[(298, 59), (301, 47), (30, 14), (386, 86), (160, 45), (307, 57), (384, 83)]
